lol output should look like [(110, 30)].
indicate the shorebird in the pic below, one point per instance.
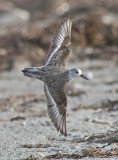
[(55, 75)]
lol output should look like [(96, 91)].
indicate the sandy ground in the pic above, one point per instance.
[(26, 132)]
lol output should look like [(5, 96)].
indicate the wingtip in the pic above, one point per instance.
[(65, 133), (68, 18), (62, 128)]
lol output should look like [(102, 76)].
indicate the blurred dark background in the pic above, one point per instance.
[(26, 28)]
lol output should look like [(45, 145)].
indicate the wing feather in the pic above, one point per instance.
[(56, 112), (62, 37)]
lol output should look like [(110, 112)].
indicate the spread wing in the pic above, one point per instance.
[(57, 103), (61, 44)]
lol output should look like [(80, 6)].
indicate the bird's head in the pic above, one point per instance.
[(77, 73)]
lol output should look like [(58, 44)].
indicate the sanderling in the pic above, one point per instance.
[(55, 75)]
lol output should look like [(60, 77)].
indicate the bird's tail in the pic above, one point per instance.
[(33, 72)]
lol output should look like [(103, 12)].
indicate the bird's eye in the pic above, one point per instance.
[(76, 71)]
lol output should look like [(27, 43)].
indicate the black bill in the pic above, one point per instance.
[(83, 76)]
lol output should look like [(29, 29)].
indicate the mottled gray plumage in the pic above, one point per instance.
[(55, 75)]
